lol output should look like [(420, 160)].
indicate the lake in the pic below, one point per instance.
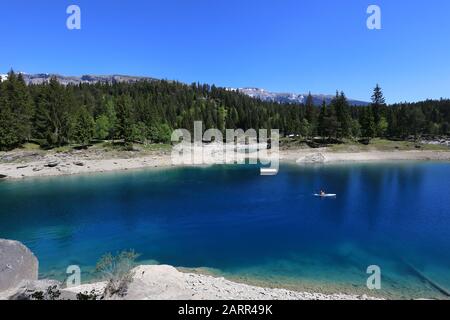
[(230, 221)]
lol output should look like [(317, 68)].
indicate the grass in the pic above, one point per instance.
[(377, 144), (110, 149), (63, 149), (386, 145), (157, 147), (30, 146)]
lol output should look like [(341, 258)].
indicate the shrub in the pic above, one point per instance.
[(117, 272)]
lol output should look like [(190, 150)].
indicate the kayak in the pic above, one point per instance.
[(328, 195)]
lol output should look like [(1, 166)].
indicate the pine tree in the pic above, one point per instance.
[(150, 109), (221, 117), (310, 114), (8, 136), (102, 127), (16, 108), (378, 105), (321, 127), (368, 126), (332, 125), (83, 127), (124, 123), (52, 120), (343, 118)]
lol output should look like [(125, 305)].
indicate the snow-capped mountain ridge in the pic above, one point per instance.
[(293, 98)]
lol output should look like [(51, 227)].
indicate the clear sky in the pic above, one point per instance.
[(279, 45)]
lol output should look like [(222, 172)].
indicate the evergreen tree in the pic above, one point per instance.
[(321, 127), (310, 114), (102, 127), (368, 126), (340, 104), (52, 120), (378, 105), (8, 136), (16, 108), (382, 127), (305, 128), (332, 125), (83, 127), (124, 123), (148, 110), (221, 118)]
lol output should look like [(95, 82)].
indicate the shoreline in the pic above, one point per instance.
[(34, 165), (294, 287), (164, 282)]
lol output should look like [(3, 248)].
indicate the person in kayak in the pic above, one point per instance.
[(322, 193)]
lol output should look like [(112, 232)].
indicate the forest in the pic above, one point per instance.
[(53, 115)]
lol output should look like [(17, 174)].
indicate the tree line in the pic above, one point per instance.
[(147, 111)]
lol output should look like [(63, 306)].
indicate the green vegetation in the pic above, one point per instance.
[(83, 127), (146, 112), (380, 144), (117, 271)]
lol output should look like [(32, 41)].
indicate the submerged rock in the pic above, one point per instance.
[(17, 263)]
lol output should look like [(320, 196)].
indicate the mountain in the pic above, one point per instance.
[(291, 97), (251, 92), (89, 79)]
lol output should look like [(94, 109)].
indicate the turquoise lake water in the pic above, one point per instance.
[(229, 220)]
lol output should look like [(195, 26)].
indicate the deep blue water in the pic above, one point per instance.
[(267, 230)]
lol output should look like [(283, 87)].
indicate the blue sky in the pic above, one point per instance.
[(280, 45)]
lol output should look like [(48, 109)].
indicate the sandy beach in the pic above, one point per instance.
[(26, 164)]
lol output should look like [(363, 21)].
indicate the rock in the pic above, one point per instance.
[(34, 290), (3, 176), (78, 163), (52, 164), (53, 290), (22, 167), (17, 263), (37, 169), (313, 158)]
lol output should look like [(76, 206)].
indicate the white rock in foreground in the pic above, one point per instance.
[(17, 263)]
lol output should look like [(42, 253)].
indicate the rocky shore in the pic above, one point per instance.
[(24, 164), (19, 272), (164, 282), (325, 156)]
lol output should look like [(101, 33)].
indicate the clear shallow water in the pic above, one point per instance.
[(266, 230)]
